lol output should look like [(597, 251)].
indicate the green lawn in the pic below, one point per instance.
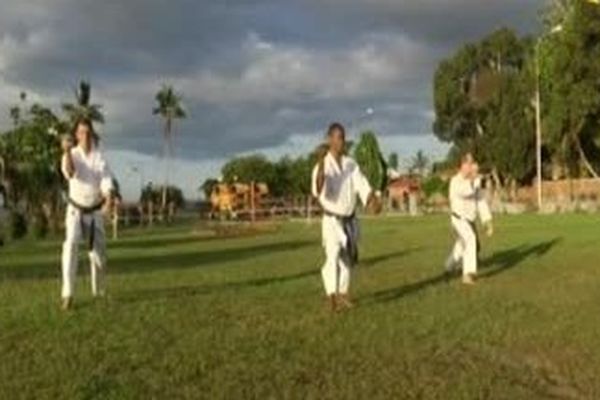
[(190, 316)]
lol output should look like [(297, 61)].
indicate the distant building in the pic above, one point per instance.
[(404, 193), (231, 199)]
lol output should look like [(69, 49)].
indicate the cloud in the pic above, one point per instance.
[(253, 73), (274, 72), (441, 23)]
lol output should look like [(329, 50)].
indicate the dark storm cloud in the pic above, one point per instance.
[(253, 73), (440, 23)]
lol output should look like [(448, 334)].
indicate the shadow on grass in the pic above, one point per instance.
[(497, 263), (502, 261), (373, 261), (193, 291), (134, 244), (150, 263), (406, 290), (182, 238)]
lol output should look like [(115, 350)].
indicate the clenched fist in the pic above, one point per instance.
[(375, 205), (66, 143), (489, 229)]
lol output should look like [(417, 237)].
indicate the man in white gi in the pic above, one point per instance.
[(337, 182), (90, 189), (467, 203)]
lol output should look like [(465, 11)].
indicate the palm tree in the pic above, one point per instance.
[(82, 107), (169, 108), (419, 163), (3, 179)]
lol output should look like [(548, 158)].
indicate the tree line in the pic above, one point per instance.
[(31, 185), (291, 176), (485, 97)]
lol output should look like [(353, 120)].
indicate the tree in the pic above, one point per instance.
[(293, 176), (170, 108), (570, 66), (29, 155), (509, 143), (246, 169), (83, 108), (419, 163), (393, 162), (153, 194), (207, 187), (369, 158), (482, 102)]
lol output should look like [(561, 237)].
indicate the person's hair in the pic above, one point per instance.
[(88, 123), (336, 126), (467, 157)]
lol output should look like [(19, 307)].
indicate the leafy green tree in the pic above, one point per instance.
[(170, 108), (253, 168), (509, 141), (285, 177), (29, 154), (293, 176), (482, 99), (570, 66), (207, 187), (369, 157), (435, 185)]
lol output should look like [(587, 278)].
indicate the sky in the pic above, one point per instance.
[(256, 75)]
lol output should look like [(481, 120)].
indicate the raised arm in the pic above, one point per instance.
[(107, 185), (317, 181), (463, 188), (362, 186), (67, 166), (364, 190)]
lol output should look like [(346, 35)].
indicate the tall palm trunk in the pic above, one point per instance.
[(167, 159), (3, 182)]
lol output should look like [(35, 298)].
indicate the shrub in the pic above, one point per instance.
[(39, 226), (435, 185), (17, 225)]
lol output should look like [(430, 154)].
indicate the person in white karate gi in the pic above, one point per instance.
[(337, 181), (91, 188), (467, 204)]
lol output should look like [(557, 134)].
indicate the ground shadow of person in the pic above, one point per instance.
[(497, 263), (502, 261), (185, 291), (170, 260), (369, 262), (406, 290)]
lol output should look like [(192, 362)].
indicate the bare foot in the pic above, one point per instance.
[(344, 301), (333, 306), (468, 279), (66, 304)]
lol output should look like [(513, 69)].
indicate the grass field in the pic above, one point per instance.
[(190, 316)]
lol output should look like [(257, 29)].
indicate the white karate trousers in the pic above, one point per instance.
[(336, 270), (76, 225), (465, 247)]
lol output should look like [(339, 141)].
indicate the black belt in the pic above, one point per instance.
[(456, 215), (473, 226), (86, 211), (347, 222)]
